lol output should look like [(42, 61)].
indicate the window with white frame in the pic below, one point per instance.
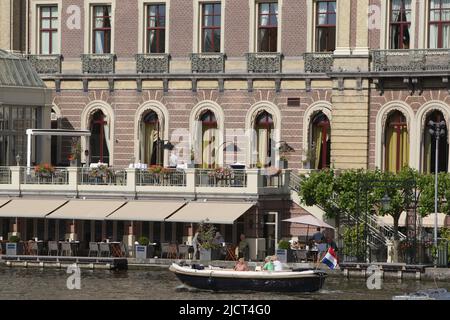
[(439, 24), (400, 24), (48, 29), (325, 26), (156, 28), (101, 29), (267, 35), (211, 26)]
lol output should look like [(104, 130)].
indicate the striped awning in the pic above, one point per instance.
[(146, 210), (86, 209), (30, 208)]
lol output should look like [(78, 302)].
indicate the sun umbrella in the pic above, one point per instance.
[(309, 220)]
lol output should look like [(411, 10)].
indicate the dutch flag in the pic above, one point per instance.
[(330, 259)]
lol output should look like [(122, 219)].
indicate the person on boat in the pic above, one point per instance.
[(241, 265), (277, 266), (268, 265), (218, 239), (244, 248)]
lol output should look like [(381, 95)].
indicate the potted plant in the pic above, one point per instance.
[(75, 154), (208, 247), (284, 251), (143, 250), (44, 170), (102, 173)]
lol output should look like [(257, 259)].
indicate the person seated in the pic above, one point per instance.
[(241, 265), (277, 266), (268, 264)]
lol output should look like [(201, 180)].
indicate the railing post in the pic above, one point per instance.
[(254, 180), (73, 178), (286, 181), (190, 180), (15, 177), (131, 179)]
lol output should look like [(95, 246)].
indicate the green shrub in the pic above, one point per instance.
[(143, 241), (284, 245), (14, 239)]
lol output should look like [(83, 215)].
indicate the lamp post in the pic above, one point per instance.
[(437, 130)]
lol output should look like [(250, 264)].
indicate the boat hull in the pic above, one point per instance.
[(278, 283)]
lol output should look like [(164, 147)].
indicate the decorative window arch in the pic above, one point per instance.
[(425, 149), (380, 131), (207, 144), (311, 112), (252, 148), (86, 117), (163, 122)]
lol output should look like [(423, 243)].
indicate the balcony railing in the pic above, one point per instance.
[(227, 179), (411, 60), (46, 64), (171, 178), (104, 176), (207, 62), (5, 175), (318, 62), (152, 63), (98, 63), (264, 62), (55, 176)]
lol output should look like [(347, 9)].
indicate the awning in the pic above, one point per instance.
[(86, 209), (309, 220), (428, 221), (4, 201), (146, 210), (30, 208), (388, 220), (214, 212)]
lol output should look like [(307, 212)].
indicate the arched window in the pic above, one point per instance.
[(429, 146), (264, 141), (396, 142), (151, 145), (100, 142), (209, 139), (320, 143)]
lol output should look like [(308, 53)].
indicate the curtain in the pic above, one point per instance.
[(209, 147), (150, 137), (317, 136), (427, 152), (262, 145), (106, 129), (264, 14), (397, 150)]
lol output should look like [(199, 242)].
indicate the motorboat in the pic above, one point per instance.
[(217, 279), (429, 294)]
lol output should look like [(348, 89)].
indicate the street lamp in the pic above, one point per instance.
[(437, 130), (386, 202)]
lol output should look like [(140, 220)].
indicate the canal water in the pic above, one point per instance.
[(158, 284)]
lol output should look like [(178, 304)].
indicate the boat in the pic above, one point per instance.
[(217, 279), (429, 294)]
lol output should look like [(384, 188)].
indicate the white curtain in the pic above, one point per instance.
[(264, 11), (263, 140), (433, 36), (107, 131)]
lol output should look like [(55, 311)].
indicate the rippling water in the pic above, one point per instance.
[(162, 284)]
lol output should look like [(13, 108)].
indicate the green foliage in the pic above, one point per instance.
[(354, 243), (284, 245), (14, 239), (206, 234), (318, 189), (143, 241)]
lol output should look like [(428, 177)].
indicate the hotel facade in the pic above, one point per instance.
[(339, 84)]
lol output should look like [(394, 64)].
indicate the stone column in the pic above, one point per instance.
[(362, 29), (343, 28)]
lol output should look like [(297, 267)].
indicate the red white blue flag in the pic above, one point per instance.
[(330, 259)]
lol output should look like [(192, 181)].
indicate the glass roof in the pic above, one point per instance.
[(17, 71)]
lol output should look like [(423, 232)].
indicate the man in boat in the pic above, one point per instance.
[(277, 265), (268, 265), (241, 265)]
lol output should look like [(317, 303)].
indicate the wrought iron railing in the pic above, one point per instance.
[(5, 175), (318, 62), (207, 62), (169, 178), (42, 175), (152, 63), (46, 63), (221, 178), (98, 63), (272, 180), (264, 62), (411, 60), (102, 176)]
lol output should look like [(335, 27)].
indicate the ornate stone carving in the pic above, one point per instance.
[(411, 60), (152, 63), (264, 62), (98, 63), (207, 62), (318, 62), (46, 64)]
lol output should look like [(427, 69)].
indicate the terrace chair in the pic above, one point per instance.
[(93, 247), (104, 248), (183, 250), (165, 248), (53, 246), (66, 249)]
